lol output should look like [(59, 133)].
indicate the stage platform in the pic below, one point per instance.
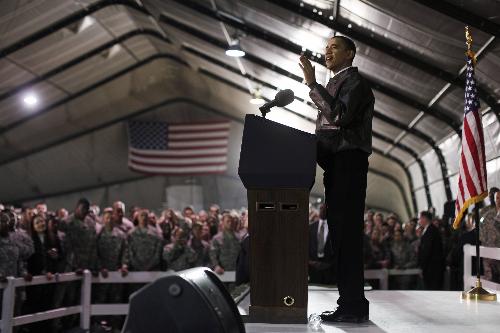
[(398, 311)]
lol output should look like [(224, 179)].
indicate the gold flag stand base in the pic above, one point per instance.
[(478, 294)]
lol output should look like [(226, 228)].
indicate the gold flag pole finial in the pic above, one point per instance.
[(468, 42)]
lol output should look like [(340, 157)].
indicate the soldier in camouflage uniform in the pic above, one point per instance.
[(112, 254), (403, 257), (9, 256), (145, 246), (79, 244), (489, 233), (20, 238), (9, 251), (179, 255), (81, 239), (120, 221), (199, 245), (225, 247)]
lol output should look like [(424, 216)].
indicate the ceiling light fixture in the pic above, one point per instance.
[(30, 99), (235, 50), (257, 98)]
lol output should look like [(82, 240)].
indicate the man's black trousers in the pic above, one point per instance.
[(345, 191)]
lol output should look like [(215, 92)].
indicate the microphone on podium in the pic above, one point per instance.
[(282, 98)]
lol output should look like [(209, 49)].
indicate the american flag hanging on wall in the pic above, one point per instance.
[(472, 185), (178, 149)]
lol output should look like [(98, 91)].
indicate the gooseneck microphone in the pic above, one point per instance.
[(282, 98)]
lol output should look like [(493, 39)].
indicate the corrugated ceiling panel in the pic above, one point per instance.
[(487, 68), (421, 200), (451, 151), (12, 75), (59, 48), (417, 144), (18, 21), (416, 175), (491, 136), (394, 109), (13, 108), (379, 144), (402, 155), (434, 128), (438, 196), (385, 129), (431, 163), (420, 30), (484, 8), (93, 70)]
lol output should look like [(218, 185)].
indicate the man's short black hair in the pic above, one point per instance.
[(84, 202), (348, 43), (426, 214)]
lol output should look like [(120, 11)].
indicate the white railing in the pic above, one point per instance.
[(484, 252), (85, 309), (383, 275)]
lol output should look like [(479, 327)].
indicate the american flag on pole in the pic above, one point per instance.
[(178, 149), (472, 186)]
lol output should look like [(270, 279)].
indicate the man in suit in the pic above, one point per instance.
[(344, 132), (430, 253), (320, 251)]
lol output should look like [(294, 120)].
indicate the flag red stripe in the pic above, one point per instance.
[(177, 173), (471, 143), (201, 123), (198, 147), (197, 139), (201, 130), (468, 179), (186, 165), (482, 170), (461, 191), (161, 157)]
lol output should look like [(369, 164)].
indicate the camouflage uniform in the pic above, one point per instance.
[(112, 249), (80, 242), (112, 253), (9, 258), (24, 242), (9, 262), (125, 225), (145, 249), (179, 257), (202, 249), (489, 233), (224, 250), (403, 257)]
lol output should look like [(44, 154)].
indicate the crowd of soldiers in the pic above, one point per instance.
[(392, 244), (36, 241), (427, 243)]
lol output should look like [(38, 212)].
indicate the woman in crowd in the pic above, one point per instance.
[(45, 261)]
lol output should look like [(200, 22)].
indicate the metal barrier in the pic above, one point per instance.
[(485, 252), (85, 309)]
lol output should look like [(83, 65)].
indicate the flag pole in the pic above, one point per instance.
[(478, 257), (477, 293)]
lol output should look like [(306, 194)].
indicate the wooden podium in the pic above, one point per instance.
[(278, 167)]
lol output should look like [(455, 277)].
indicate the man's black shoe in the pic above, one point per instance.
[(339, 316)]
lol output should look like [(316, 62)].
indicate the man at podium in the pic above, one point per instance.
[(344, 130)]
